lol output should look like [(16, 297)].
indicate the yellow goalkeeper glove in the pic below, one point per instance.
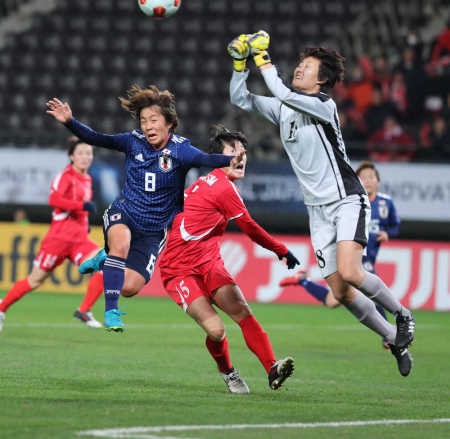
[(239, 50), (259, 43)]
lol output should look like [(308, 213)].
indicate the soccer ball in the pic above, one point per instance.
[(159, 8)]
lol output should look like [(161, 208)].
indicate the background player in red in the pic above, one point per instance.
[(193, 272), (67, 238)]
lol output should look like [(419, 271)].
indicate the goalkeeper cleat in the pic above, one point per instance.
[(405, 328), (404, 359), (293, 280), (234, 382), (2, 320), (88, 318), (280, 372), (93, 264), (113, 321)]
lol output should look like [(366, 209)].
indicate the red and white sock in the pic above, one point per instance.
[(258, 341), (18, 290), (94, 291)]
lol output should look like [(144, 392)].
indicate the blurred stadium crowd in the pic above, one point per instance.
[(395, 102)]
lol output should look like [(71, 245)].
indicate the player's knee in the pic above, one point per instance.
[(216, 333), (128, 292), (119, 252), (349, 274), (35, 283)]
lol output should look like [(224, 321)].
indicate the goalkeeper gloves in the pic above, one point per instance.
[(259, 43), (239, 50), (291, 260)]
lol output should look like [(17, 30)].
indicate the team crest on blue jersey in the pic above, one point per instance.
[(383, 209), (115, 217), (165, 161)]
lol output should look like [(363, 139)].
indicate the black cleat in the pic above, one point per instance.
[(405, 328), (404, 359), (280, 372)]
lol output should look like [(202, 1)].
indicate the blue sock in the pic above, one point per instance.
[(380, 309), (113, 279), (316, 290)]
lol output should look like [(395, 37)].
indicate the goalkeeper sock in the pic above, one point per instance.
[(364, 310), (94, 290), (219, 351), (113, 279), (18, 290), (316, 290), (381, 310), (374, 288), (258, 341)]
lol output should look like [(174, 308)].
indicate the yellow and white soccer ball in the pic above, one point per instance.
[(159, 8)]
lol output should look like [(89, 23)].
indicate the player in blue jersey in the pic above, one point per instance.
[(156, 164), (384, 224)]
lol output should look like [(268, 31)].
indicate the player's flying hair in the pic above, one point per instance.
[(138, 98)]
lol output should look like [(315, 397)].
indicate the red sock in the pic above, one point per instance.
[(219, 351), (18, 290), (258, 341), (94, 291)]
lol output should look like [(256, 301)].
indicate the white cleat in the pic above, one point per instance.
[(235, 383), (88, 318), (2, 320)]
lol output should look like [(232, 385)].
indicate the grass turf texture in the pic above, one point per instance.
[(59, 377)]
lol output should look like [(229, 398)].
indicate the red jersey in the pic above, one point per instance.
[(195, 237), (69, 191)]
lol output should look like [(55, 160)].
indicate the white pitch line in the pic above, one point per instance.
[(192, 326), (142, 432)]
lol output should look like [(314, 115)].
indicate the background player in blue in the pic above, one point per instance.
[(384, 224), (156, 164)]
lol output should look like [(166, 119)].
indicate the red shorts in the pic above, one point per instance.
[(184, 289), (54, 251)]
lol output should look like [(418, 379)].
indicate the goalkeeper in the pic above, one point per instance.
[(337, 203)]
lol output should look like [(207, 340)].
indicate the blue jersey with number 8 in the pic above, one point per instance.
[(154, 178)]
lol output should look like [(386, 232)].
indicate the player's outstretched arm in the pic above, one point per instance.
[(62, 112), (259, 235)]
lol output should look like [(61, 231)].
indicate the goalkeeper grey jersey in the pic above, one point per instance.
[(310, 133)]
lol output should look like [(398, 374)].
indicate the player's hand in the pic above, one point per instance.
[(382, 236), (239, 50), (59, 110), (291, 260), (259, 44), (90, 206), (237, 159)]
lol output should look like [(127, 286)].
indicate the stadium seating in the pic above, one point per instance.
[(90, 52)]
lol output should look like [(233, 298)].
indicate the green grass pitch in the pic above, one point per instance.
[(59, 378)]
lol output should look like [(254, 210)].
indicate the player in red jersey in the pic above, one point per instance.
[(193, 272), (67, 238)]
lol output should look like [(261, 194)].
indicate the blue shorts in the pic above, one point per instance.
[(144, 247)]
